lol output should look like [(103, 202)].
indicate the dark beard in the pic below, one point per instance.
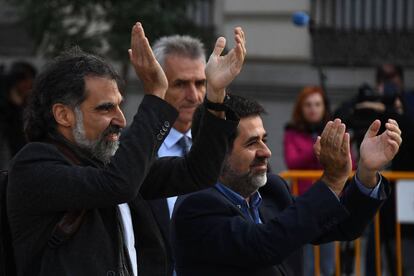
[(103, 149), (100, 149), (243, 184)]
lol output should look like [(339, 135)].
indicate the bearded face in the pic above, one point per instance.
[(102, 148), (245, 167)]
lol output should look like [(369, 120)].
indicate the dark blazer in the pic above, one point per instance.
[(161, 215), (44, 184), (210, 236)]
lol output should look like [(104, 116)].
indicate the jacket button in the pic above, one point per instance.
[(164, 129), (167, 124), (159, 137)]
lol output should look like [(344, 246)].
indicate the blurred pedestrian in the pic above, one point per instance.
[(17, 85), (310, 114)]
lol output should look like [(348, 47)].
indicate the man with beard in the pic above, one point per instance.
[(75, 192), (248, 224)]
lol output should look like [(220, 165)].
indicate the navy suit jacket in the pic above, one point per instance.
[(210, 236)]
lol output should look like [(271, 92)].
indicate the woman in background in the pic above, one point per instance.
[(310, 114)]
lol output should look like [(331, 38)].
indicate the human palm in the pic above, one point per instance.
[(377, 150), (221, 70), (146, 66)]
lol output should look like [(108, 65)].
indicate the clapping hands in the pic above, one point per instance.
[(221, 70), (378, 150), (333, 151), (147, 68)]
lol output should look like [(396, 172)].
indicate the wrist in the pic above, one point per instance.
[(215, 95), (334, 183), (367, 177), (157, 92)]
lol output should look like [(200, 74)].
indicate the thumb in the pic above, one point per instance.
[(317, 147), (373, 129), (130, 55), (346, 144), (219, 47)]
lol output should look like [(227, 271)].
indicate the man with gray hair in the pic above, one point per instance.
[(183, 60)]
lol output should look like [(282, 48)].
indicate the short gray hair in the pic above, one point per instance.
[(181, 45)]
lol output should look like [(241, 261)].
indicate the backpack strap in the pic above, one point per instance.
[(71, 221)]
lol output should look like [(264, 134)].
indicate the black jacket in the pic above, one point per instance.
[(211, 236), (43, 185), (161, 215)]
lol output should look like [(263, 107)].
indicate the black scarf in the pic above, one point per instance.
[(82, 157)]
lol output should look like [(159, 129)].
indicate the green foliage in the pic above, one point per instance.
[(103, 27)]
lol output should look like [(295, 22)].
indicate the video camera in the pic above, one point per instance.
[(368, 94)]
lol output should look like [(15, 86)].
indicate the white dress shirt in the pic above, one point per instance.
[(169, 147), (129, 238)]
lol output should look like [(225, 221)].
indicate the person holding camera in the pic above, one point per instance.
[(388, 99)]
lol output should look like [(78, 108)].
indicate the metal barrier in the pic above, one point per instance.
[(295, 175)]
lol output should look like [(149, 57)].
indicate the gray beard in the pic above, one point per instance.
[(243, 184), (100, 149)]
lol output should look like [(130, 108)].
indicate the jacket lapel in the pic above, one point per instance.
[(232, 206), (159, 208), (267, 211)]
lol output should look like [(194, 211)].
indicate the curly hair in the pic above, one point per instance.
[(61, 81)]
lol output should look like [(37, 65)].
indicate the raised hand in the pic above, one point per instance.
[(146, 66), (377, 150), (221, 70), (333, 151)]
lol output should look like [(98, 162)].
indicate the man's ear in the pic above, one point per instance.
[(64, 115)]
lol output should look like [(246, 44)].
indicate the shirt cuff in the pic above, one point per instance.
[(371, 192)]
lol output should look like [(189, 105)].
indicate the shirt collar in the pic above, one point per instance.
[(238, 200), (174, 136)]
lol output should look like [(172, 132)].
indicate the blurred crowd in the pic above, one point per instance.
[(388, 98)]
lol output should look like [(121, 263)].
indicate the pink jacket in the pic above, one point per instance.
[(299, 155)]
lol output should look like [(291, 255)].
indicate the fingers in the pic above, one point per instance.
[(219, 47), (346, 143), (394, 136), (130, 54), (135, 35), (394, 133), (335, 155), (239, 31), (339, 135), (140, 48), (147, 68), (394, 146), (240, 38), (326, 130), (392, 125), (373, 129), (329, 133), (334, 137)]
